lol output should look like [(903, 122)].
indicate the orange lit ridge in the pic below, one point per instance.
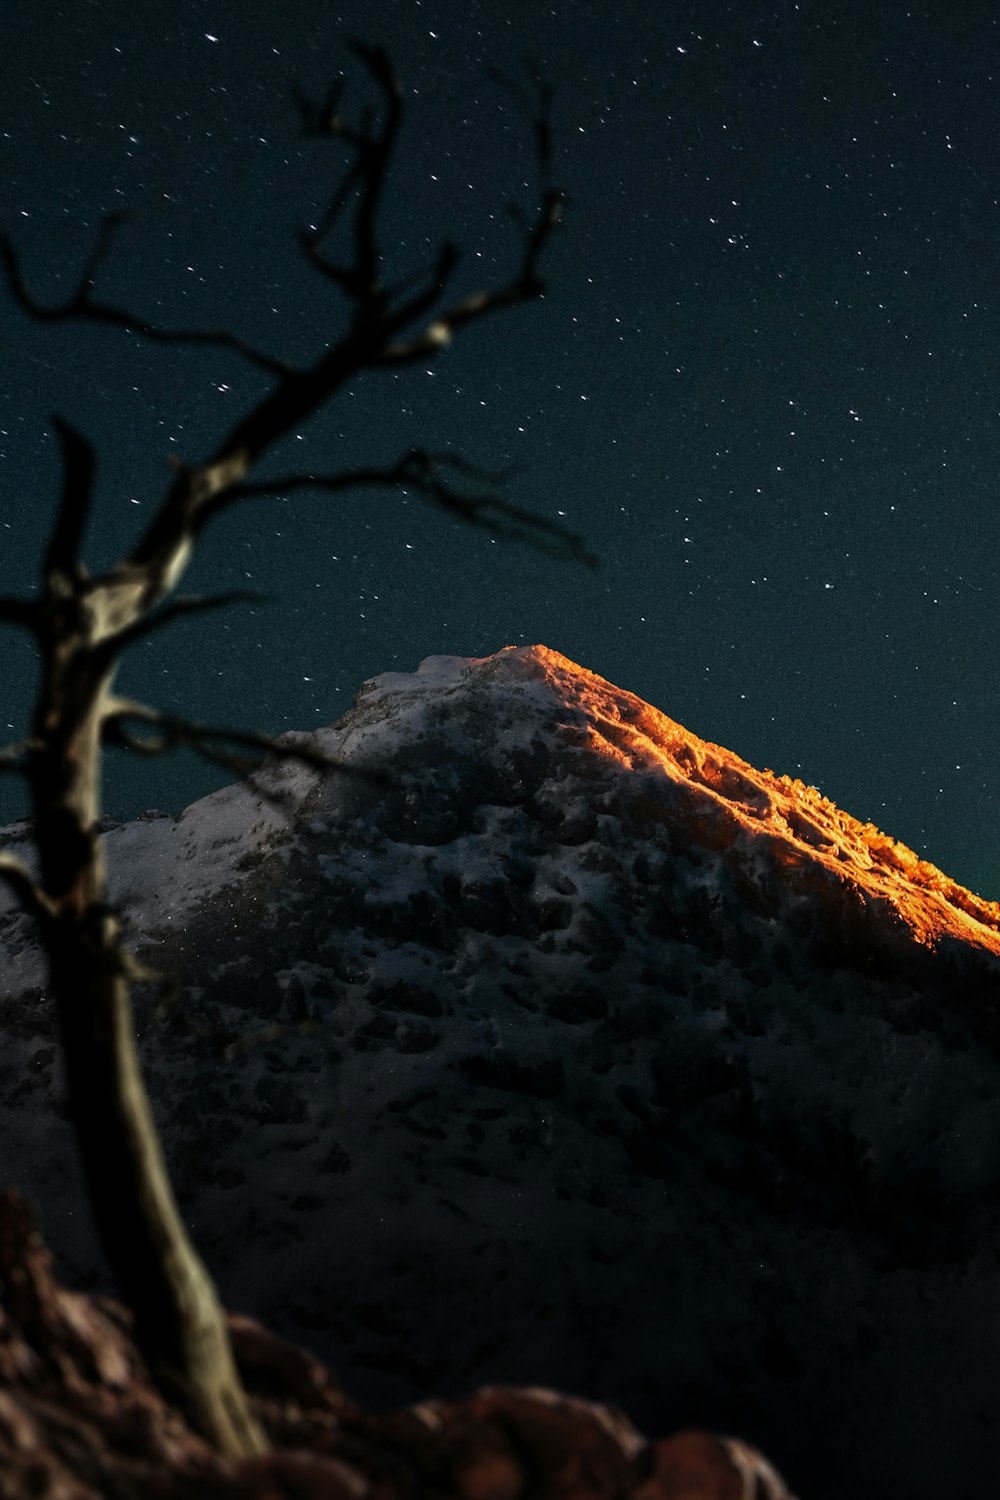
[(773, 827)]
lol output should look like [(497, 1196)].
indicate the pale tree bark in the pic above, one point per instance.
[(83, 624)]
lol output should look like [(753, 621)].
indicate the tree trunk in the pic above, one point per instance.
[(180, 1325)]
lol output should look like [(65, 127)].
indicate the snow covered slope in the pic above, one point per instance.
[(548, 1043)]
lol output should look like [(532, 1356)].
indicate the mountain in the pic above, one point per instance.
[(545, 1043)]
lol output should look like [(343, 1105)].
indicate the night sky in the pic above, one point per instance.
[(763, 382)]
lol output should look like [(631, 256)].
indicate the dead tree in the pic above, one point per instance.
[(82, 624)]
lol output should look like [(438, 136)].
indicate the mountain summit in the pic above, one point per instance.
[(547, 1043)]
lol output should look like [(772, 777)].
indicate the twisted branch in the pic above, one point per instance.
[(426, 473), (373, 143), (29, 893), (82, 304), (23, 612), (79, 463), (171, 732), (182, 608)]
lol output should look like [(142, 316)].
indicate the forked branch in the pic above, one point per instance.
[(168, 732), (376, 335), (428, 475), (182, 608), (372, 142), (83, 305), (62, 556), (19, 879), (23, 612)]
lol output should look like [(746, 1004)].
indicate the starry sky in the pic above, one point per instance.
[(763, 382)]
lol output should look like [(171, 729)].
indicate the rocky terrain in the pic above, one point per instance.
[(80, 1420), (546, 1044)]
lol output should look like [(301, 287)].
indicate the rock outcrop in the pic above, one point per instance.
[(79, 1420)]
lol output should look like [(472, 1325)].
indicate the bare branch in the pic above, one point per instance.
[(427, 474), (422, 302), (526, 283), (373, 144), (171, 732), (542, 104), (175, 735), (310, 240), (83, 624), (23, 612), (440, 273), (322, 119), (378, 151), (29, 894), (62, 556), (372, 339), (82, 305), (367, 175), (134, 589), (343, 276), (523, 287), (180, 608)]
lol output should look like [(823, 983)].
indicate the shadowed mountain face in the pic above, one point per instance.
[(568, 1049)]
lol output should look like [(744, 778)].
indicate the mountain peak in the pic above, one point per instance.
[(779, 831)]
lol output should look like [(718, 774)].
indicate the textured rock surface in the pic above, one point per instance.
[(575, 1052), (79, 1420)]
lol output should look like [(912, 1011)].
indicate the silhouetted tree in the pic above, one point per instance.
[(83, 624)]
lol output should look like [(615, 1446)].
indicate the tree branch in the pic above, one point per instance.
[(79, 463), (82, 305), (425, 472), (322, 119), (82, 625), (371, 339), (128, 593), (367, 174), (180, 608), (542, 117), (30, 895), (172, 732), (523, 286), (373, 145), (23, 612)]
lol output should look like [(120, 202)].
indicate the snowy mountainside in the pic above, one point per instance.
[(548, 1043)]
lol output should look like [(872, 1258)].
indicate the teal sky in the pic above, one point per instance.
[(762, 383)]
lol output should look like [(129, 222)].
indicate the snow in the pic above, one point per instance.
[(592, 1056)]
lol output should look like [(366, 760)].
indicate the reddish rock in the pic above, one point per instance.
[(80, 1420), (699, 1466)]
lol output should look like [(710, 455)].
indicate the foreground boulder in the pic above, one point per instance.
[(79, 1420)]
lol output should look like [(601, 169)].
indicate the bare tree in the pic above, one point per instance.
[(82, 624)]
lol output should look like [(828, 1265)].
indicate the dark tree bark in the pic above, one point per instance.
[(179, 1323), (83, 624)]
